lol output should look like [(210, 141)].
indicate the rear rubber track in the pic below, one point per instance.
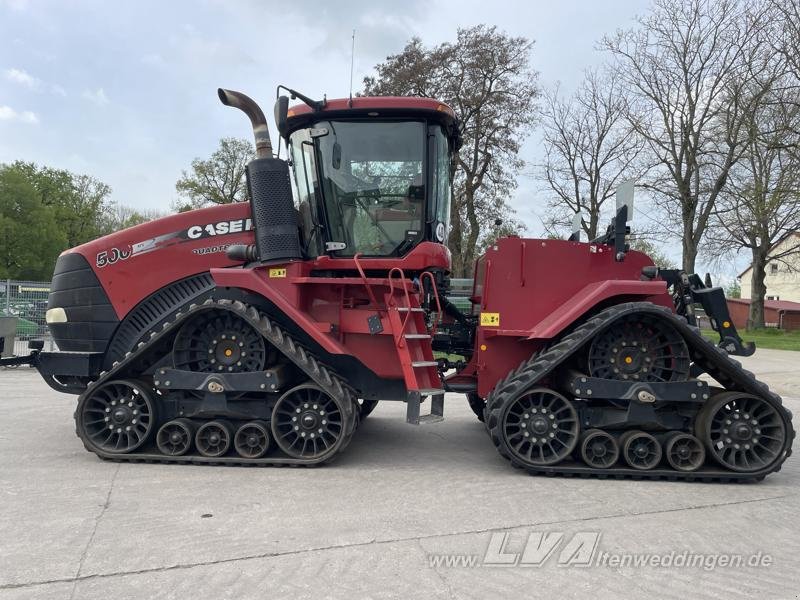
[(704, 353), (291, 349)]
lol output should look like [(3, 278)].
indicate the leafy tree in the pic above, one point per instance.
[(652, 250), (589, 150), (733, 290), (78, 202), (691, 69), (760, 206), (486, 77), (119, 216), (31, 238), (218, 180)]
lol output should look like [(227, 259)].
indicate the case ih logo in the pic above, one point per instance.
[(196, 232)]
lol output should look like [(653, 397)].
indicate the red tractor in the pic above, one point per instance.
[(264, 332)]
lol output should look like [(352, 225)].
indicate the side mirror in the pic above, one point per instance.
[(577, 222), (281, 113), (625, 197)]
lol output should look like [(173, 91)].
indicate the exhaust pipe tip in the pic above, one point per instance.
[(253, 111)]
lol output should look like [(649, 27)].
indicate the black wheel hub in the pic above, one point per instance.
[(219, 342), (307, 422), (117, 417), (641, 348), (599, 449), (540, 427)]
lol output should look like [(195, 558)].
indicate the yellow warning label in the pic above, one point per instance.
[(277, 272), (490, 319)]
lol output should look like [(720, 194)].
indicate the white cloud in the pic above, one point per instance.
[(15, 4), (58, 90), (9, 114), (97, 96), (22, 77)]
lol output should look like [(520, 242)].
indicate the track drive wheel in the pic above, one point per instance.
[(307, 422), (639, 347), (539, 427), (116, 417), (175, 437), (219, 342), (599, 449), (743, 432), (640, 450)]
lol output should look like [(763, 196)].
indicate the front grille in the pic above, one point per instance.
[(91, 320)]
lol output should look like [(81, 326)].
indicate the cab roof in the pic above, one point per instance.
[(300, 115)]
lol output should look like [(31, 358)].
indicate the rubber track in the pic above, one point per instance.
[(714, 360), (303, 359)]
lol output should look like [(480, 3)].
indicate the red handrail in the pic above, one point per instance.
[(404, 284), (364, 279), (435, 296)]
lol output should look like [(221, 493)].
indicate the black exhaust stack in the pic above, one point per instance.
[(271, 204)]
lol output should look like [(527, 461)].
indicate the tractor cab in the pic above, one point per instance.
[(372, 175)]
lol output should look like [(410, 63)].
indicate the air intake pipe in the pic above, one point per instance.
[(271, 204)]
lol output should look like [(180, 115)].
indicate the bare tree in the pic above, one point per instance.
[(760, 206), (589, 150), (218, 180), (485, 76), (690, 73)]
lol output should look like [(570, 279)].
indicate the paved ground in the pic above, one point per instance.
[(371, 525)]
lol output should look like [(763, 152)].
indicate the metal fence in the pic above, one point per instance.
[(27, 301)]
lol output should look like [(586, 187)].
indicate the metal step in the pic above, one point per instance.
[(409, 309), (430, 392), (424, 363), (417, 336), (413, 404)]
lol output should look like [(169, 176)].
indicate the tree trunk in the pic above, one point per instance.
[(454, 241), (758, 290), (689, 251)]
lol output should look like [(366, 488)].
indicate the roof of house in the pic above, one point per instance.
[(784, 305), (780, 241)]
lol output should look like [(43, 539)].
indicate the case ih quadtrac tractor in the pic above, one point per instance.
[(262, 333)]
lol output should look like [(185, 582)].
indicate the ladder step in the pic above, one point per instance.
[(424, 363), (430, 392), (409, 309), (417, 336)]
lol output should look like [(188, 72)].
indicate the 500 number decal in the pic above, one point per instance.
[(109, 257)]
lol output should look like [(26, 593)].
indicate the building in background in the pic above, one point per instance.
[(780, 314), (783, 276)]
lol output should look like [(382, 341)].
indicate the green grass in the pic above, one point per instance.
[(776, 339)]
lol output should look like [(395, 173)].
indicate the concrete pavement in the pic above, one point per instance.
[(399, 515)]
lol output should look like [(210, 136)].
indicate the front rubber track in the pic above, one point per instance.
[(303, 359)]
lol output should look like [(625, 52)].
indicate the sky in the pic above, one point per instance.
[(126, 91)]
